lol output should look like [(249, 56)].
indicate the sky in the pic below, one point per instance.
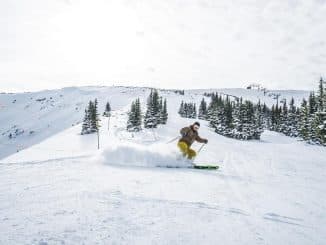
[(46, 44)]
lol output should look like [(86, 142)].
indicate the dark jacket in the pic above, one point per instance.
[(188, 135)]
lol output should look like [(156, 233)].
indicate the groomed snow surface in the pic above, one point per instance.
[(134, 190)]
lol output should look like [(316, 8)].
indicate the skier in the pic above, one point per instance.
[(188, 136)]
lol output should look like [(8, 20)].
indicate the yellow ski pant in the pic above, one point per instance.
[(186, 150)]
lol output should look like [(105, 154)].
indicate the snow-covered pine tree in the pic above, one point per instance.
[(228, 108), (138, 115), (248, 120), (156, 106), (86, 123), (318, 118), (304, 124), (193, 111), (107, 110), (160, 111), (266, 112), (94, 115), (153, 110), (321, 95), (186, 110), (182, 109), (237, 119), (131, 117), (258, 121), (91, 118), (319, 125), (134, 116), (202, 112), (292, 123), (313, 103), (90, 115), (283, 124), (164, 113), (219, 115)]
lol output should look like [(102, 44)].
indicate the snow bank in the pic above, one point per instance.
[(132, 154)]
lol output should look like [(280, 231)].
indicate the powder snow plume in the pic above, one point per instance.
[(133, 154)]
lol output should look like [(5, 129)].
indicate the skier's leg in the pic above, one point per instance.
[(183, 148), (191, 153)]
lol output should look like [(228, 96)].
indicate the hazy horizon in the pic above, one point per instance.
[(135, 86)]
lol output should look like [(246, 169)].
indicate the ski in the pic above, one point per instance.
[(208, 167)]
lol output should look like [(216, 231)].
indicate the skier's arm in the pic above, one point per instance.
[(184, 131), (201, 140)]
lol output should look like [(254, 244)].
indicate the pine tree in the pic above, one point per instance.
[(321, 95), (86, 123), (202, 113), (292, 123), (188, 110), (153, 112), (237, 119), (134, 117), (258, 121), (319, 123), (107, 110), (193, 112), (160, 111), (164, 114), (304, 125), (181, 109), (283, 124), (138, 115), (91, 118), (94, 116), (313, 103), (131, 117)]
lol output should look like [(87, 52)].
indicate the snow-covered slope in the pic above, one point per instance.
[(33, 117), (64, 190)]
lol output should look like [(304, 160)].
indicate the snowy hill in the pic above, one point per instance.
[(33, 117), (63, 190)]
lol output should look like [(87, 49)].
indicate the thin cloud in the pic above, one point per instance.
[(207, 43)]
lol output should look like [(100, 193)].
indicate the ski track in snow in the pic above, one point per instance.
[(266, 192)]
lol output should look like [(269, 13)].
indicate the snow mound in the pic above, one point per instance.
[(132, 154)]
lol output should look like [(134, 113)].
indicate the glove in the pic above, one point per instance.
[(205, 141)]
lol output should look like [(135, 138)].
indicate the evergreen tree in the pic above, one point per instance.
[(283, 124), (258, 121), (154, 110), (304, 125), (321, 95), (202, 113), (292, 123), (86, 123), (182, 109), (107, 110), (237, 119), (188, 110), (134, 117), (164, 113), (91, 118), (313, 103), (131, 117), (319, 123), (160, 111), (94, 116)]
